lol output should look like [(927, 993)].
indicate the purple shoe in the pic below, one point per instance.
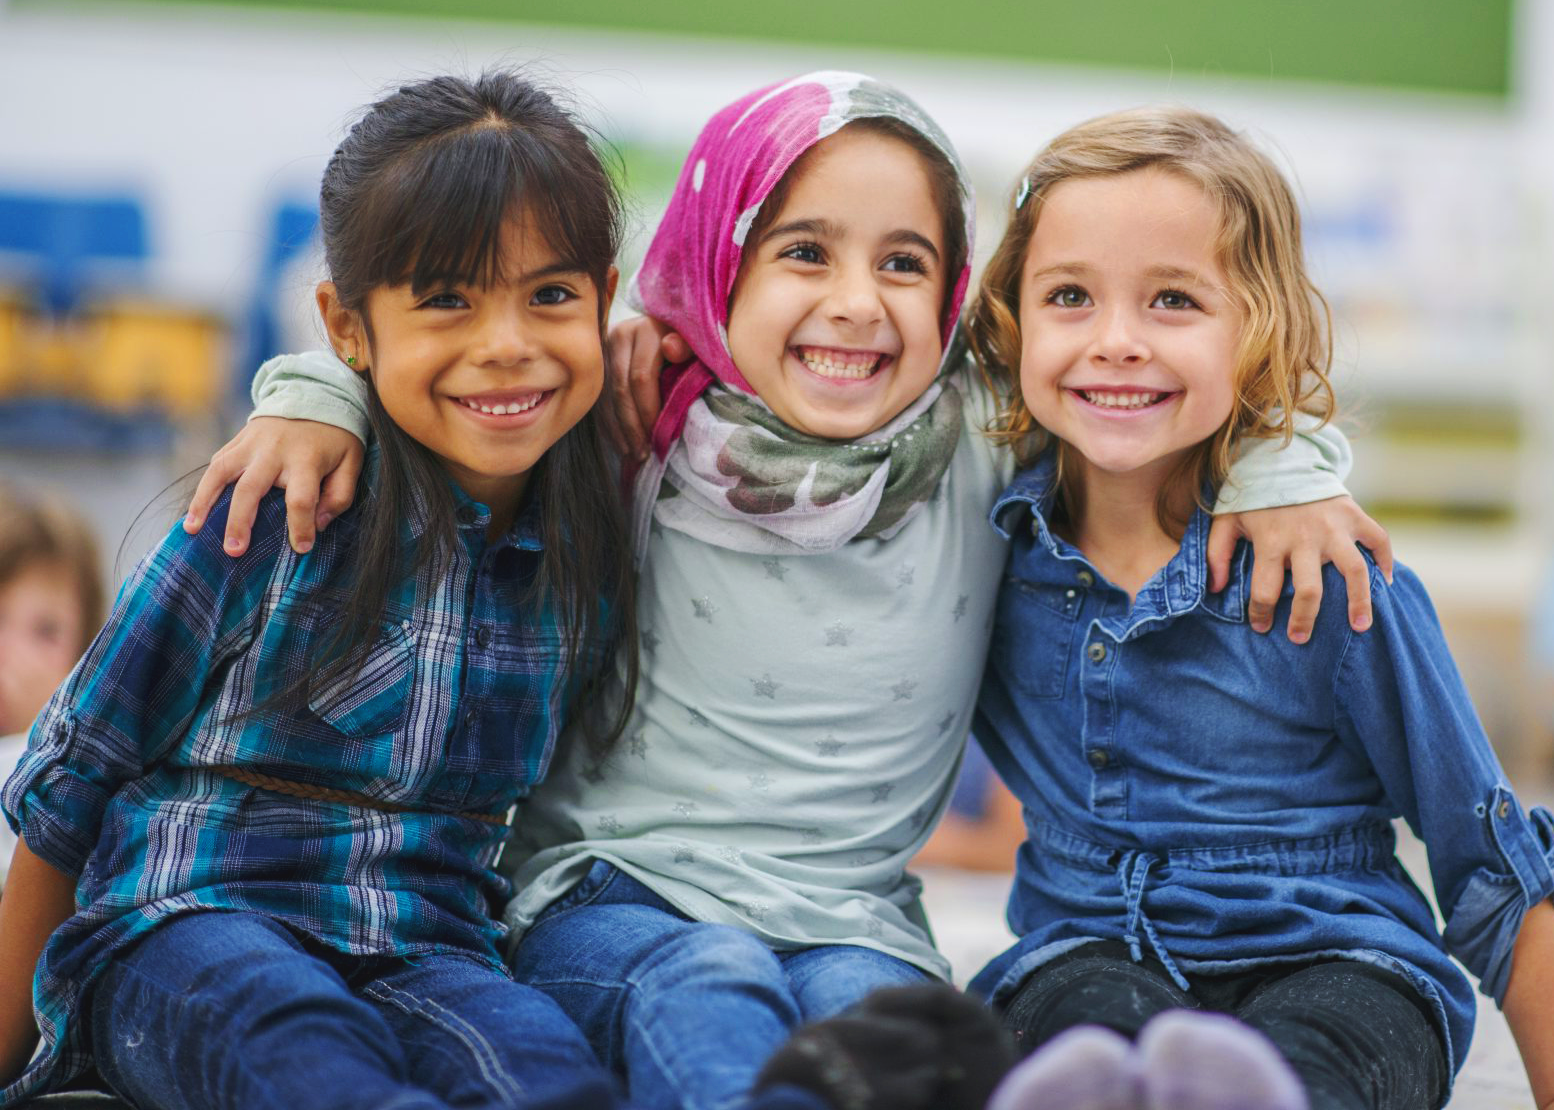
[(1086, 1068), (1196, 1061)]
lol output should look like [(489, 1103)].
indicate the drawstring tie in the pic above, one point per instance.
[(1132, 873)]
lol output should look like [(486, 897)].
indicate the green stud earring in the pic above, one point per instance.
[(350, 360)]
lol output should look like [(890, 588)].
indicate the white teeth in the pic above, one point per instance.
[(1121, 400), (829, 365), (504, 410)]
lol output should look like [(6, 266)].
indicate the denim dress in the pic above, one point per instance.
[(1224, 800)]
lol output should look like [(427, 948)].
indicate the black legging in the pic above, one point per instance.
[(1359, 1037)]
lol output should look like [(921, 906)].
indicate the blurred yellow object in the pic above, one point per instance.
[(135, 353), (11, 328), (125, 354)]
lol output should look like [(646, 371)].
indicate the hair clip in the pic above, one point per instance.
[(1024, 194)]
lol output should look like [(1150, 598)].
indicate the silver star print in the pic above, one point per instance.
[(730, 854), (765, 687), (649, 640), (704, 608), (759, 781), (699, 718), (920, 817), (874, 928), (902, 691), (945, 722), (594, 774), (830, 747), (775, 569), (609, 825), (685, 809), (960, 605), (812, 836), (757, 910), (684, 853), (882, 791), (639, 746), (904, 575), (836, 635)]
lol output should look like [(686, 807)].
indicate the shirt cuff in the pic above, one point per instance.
[(1487, 917), (312, 386), (1268, 474)]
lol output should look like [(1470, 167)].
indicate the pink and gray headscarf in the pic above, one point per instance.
[(714, 439)]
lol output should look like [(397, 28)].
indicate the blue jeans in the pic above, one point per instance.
[(216, 1010), (686, 1011)]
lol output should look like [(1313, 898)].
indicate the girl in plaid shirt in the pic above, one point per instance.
[(259, 820)]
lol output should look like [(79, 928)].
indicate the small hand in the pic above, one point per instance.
[(316, 464), (635, 351), (1301, 538)]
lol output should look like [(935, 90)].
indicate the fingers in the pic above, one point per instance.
[(1376, 540), (646, 400), (617, 357), (340, 486), (1267, 585), (1223, 533), (675, 348), (301, 508), (246, 495), (1306, 570), (1357, 584), (212, 482)]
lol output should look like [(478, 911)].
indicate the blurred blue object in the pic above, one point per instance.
[(61, 424), (62, 243), (291, 232)]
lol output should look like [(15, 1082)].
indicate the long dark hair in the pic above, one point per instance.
[(419, 192)]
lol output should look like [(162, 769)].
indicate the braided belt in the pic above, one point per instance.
[(329, 794)]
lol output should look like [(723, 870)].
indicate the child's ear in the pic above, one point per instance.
[(344, 326), (612, 278)]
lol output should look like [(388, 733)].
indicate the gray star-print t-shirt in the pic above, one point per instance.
[(799, 723)]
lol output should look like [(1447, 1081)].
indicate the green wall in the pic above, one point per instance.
[(1443, 45)]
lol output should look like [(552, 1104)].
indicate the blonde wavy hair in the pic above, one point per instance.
[(1285, 347)]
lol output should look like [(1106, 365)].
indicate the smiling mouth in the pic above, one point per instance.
[(840, 365), (508, 408), (1123, 400)]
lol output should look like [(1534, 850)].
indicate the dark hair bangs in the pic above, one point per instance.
[(441, 212)]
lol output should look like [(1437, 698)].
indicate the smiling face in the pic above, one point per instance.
[(834, 320), (1128, 331), (488, 378)]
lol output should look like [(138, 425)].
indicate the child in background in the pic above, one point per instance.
[(51, 605), (270, 798), (1209, 810), (815, 600)]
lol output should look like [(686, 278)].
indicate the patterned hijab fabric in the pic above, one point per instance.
[(724, 468)]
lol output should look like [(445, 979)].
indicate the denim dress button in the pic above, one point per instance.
[(1096, 652), (1086, 579), (1098, 759)]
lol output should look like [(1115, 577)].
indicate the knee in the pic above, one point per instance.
[(702, 955)]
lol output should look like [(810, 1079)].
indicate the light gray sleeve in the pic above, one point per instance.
[(1268, 475), (314, 385)]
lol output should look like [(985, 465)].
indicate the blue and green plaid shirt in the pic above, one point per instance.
[(456, 710)]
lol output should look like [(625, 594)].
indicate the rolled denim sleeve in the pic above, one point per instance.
[(1400, 696), (312, 386), (185, 610), (1267, 474)]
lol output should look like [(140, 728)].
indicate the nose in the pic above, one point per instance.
[(854, 295), (1118, 339), (504, 337)]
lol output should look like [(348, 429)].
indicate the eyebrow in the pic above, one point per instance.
[(829, 229), (555, 269), (1082, 269)]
